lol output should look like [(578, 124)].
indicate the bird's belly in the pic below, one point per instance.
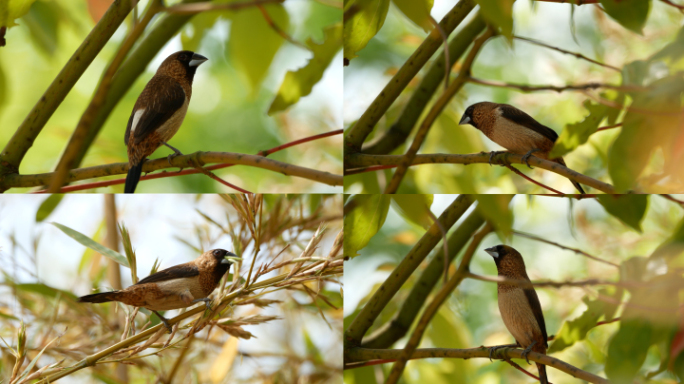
[(171, 126), (165, 295), (519, 139), (518, 317)]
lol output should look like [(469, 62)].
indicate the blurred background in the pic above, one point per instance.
[(44, 271), (232, 92), (470, 317), (584, 29)]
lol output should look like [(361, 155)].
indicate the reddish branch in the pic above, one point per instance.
[(107, 183)]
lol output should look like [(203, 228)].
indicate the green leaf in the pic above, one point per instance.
[(500, 14), (44, 290), (362, 20), (643, 133), (414, 208), (576, 330), (253, 42), (364, 215), (92, 244), (577, 134), (631, 14), (299, 83), (417, 11), (47, 206), (627, 350), (13, 9), (630, 209), (495, 209)]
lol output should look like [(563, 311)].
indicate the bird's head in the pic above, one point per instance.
[(477, 113), (224, 257), (182, 64), (508, 261)]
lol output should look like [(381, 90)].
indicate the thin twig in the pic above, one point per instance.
[(578, 251), (577, 55), (515, 170), (571, 87)]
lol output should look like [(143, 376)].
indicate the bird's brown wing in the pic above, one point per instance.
[(514, 114), (161, 98), (533, 299), (175, 272)]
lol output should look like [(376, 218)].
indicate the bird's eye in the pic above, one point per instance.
[(218, 252)]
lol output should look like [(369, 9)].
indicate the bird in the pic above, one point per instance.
[(520, 308), (514, 130), (176, 287), (159, 111)]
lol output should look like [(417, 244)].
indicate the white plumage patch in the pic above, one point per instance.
[(136, 119)]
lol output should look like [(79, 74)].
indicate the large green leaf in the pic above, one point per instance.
[(362, 20), (630, 209), (631, 14), (576, 330), (500, 14), (627, 350), (414, 208), (13, 9), (253, 42), (300, 82), (643, 133), (577, 134), (495, 209), (92, 244), (47, 206), (417, 11), (363, 218)]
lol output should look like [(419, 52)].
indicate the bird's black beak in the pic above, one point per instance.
[(230, 258), (197, 59), (493, 252), (465, 119)]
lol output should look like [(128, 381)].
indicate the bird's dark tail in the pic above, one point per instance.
[(542, 374), (576, 184), (99, 297), (133, 177)]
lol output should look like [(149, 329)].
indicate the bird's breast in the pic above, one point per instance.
[(517, 138), (518, 317)]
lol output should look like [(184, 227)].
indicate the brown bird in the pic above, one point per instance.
[(514, 130), (176, 287), (159, 111), (519, 307)]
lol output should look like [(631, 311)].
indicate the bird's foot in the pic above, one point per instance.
[(526, 157), (206, 301), (175, 153), (492, 154), (493, 349), (527, 351), (164, 321)]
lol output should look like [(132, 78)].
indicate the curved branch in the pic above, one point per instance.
[(363, 354), (186, 161), (30, 128), (361, 160), (435, 111), (364, 126)]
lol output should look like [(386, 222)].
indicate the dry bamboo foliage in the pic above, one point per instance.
[(288, 282)]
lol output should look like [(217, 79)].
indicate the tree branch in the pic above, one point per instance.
[(363, 354), (571, 87), (16, 180), (30, 128), (435, 111), (577, 55), (364, 126), (361, 160), (369, 313)]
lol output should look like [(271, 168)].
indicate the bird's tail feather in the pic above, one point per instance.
[(99, 297), (133, 177), (542, 374), (576, 184)]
